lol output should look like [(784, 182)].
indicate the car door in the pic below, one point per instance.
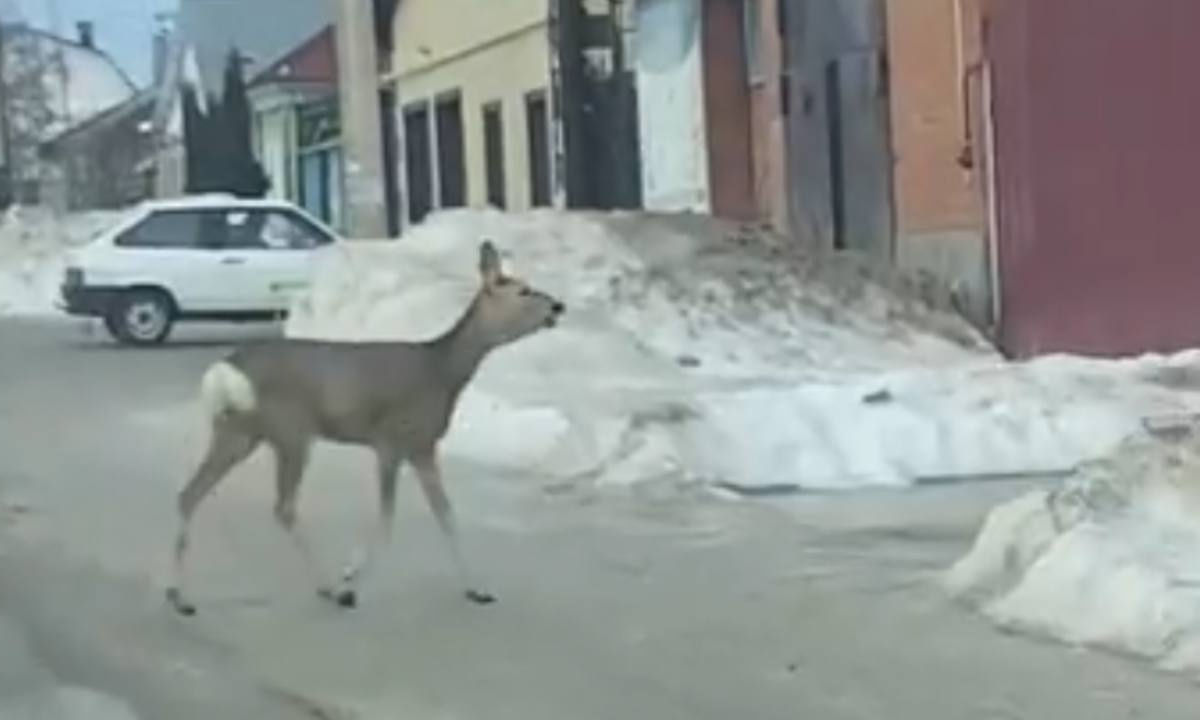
[(246, 267), (177, 251), (276, 250)]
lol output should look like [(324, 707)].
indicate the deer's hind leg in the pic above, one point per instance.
[(291, 458), (230, 444)]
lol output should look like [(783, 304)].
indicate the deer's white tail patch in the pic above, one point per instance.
[(226, 389)]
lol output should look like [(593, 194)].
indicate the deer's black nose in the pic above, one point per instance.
[(558, 308)]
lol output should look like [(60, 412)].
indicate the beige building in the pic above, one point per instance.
[(472, 85)]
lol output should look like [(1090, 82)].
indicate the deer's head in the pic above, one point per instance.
[(507, 308)]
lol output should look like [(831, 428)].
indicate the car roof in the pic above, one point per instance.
[(216, 200)]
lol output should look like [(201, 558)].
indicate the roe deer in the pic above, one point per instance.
[(396, 398)]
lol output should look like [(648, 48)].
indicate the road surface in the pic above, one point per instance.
[(652, 603)]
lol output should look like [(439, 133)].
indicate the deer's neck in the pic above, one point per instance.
[(463, 348)]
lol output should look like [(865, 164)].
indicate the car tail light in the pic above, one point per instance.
[(73, 278)]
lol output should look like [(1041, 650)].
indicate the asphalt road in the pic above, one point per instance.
[(617, 604)]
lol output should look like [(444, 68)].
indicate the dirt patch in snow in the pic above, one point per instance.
[(761, 268)]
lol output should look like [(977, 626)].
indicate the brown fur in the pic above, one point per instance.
[(396, 398)]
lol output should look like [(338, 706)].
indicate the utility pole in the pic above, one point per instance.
[(362, 146)]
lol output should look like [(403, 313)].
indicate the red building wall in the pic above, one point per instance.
[(314, 61), (1096, 110)]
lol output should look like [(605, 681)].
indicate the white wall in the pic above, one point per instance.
[(274, 145), (670, 85)]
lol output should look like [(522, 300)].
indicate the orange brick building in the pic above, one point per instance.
[(940, 173)]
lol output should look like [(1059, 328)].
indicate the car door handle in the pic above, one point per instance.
[(233, 261)]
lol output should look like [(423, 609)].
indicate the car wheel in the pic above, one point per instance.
[(141, 317)]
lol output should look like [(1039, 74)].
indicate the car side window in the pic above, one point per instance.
[(168, 229), (283, 230), (213, 230), (243, 230)]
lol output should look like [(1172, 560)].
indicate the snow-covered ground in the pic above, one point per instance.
[(695, 351), (608, 602), (29, 691), (33, 247), (1111, 558), (701, 352)]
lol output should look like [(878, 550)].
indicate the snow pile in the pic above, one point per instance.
[(1111, 558), (33, 247), (680, 289), (698, 351), (90, 84), (903, 427)]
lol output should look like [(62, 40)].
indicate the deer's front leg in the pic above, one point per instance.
[(430, 477)]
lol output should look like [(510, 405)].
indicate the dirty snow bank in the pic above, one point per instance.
[(908, 426), (699, 351), (1111, 558), (674, 289), (33, 246)]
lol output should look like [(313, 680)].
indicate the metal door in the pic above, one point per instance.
[(1095, 108)]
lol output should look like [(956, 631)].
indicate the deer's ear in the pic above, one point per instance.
[(489, 262)]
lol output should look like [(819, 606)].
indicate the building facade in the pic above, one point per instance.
[(105, 162), (195, 53), (51, 85), (938, 132), (915, 132), (1056, 212), (1094, 146), (694, 107), (297, 127), (472, 89), (766, 78)]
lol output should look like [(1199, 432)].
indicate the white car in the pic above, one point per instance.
[(199, 258)]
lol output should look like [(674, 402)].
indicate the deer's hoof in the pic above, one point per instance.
[(480, 598), (181, 606), (342, 598)]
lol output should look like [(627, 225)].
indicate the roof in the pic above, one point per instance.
[(96, 50), (312, 62), (92, 81), (142, 101), (262, 30)]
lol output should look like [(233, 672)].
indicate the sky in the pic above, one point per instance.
[(123, 27)]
